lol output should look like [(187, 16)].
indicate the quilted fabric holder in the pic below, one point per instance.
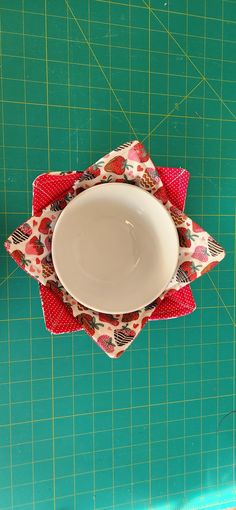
[(129, 163), (47, 188)]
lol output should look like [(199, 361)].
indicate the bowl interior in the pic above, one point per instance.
[(115, 248)]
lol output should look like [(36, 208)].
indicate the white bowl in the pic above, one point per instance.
[(115, 248)]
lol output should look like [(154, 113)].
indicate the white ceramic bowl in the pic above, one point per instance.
[(115, 248)]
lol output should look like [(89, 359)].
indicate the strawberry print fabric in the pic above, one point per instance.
[(30, 245), (47, 187)]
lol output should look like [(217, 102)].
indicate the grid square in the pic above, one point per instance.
[(13, 67), (12, 21), (34, 47), (13, 91), (12, 44), (34, 24)]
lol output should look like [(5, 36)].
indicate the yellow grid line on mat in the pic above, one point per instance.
[(234, 350), (90, 373), (94, 464), (152, 51), (150, 476), (79, 436), (111, 91), (171, 402), (29, 282), (82, 64), (166, 118), (184, 328), (110, 487), (116, 111), (181, 13), (72, 334), (52, 338), (202, 207), (119, 486), (7, 286), (131, 428), (194, 36), (217, 313)]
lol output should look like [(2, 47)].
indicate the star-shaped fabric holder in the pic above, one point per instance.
[(30, 244), (47, 188)]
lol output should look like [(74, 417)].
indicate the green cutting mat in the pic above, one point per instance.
[(154, 429)]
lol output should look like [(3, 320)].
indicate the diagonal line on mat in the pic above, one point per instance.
[(223, 303), (172, 111), (100, 67), (189, 59), (9, 276)]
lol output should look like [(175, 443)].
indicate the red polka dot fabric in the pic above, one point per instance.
[(175, 305), (50, 187), (175, 181)]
